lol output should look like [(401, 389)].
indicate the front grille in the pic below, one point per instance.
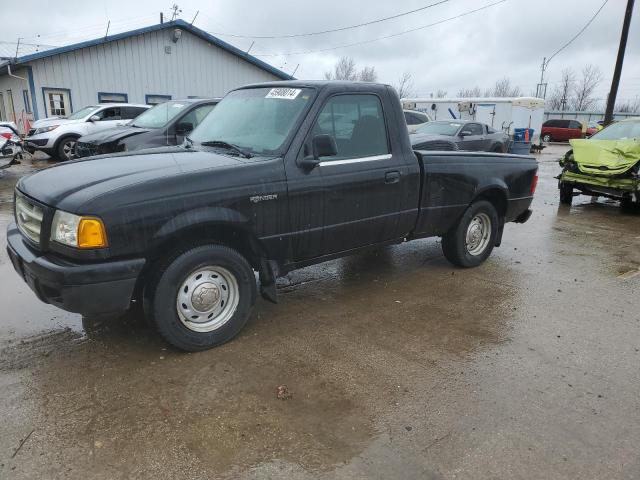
[(440, 145), (29, 218), (87, 149)]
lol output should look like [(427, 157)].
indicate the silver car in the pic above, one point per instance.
[(57, 136), (460, 135)]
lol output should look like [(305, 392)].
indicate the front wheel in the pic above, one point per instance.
[(566, 193), (471, 241), (66, 149), (203, 297), (546, 138)]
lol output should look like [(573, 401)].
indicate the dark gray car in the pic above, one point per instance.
[(459, 135)]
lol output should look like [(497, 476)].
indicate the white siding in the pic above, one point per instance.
[(139, 66), (16, 86)]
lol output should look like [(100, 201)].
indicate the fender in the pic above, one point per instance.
[(202, 217)]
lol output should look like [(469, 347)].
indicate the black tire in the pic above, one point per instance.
[(163, 290), (627, 204), (547, 138), (66, 147), (566, 193), (499, 149), (454, 244)]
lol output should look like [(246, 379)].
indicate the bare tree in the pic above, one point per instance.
[(628, 106), (404, 87), (441, 93), (469, 92), (368, 74), (503, 88), (560, 96), (345, 69), (583, 91)]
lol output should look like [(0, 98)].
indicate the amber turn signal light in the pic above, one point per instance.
[(91, 233)]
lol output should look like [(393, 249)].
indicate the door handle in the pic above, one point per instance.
[(392, 177)]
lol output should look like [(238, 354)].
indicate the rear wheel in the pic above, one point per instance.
[(471, 241), (66, 149), (202, 297), (547, 137), (566, 193)]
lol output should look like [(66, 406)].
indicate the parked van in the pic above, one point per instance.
[(559, 129)]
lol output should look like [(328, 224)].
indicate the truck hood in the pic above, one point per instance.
[(113, 134), (70, 185), (605, 157)]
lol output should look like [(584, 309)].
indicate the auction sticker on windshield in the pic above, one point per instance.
[(284, 93)]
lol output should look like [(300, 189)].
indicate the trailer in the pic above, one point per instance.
[(504, 114)]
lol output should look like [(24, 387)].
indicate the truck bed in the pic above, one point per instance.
[(452, 180)]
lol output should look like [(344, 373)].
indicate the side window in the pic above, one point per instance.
[(575, 124), (473, 128), (195, 116), (109, 114), (356, 122), (563, 123), (129, 113), (412, 118)]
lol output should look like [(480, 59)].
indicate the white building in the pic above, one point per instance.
[(504, 114), (147, 65)]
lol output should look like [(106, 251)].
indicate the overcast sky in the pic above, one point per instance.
[(509, 39)]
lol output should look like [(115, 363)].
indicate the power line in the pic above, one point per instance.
[(333, 30), (381, 38), (579, 33)]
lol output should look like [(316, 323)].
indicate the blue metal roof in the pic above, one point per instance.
[(154, 28)]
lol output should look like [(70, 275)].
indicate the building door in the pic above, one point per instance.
[(3, 114), (12, 107), (58, 103)]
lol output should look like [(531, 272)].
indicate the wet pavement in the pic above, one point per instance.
[(397, 364)]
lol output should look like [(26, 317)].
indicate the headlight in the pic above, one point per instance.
[(45, 129), (76, 231)]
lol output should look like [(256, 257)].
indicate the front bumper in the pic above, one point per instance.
[(38, 142), (592, 182), (85, 288)]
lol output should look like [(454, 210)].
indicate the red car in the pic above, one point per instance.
[(560, 130)]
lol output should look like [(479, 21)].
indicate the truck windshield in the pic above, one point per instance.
[(440, 128), (160, 115), (257, 120)]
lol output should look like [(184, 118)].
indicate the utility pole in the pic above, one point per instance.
[(615, 83), (541, 90)]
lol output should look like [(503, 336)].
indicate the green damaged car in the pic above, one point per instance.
[(605, 165)]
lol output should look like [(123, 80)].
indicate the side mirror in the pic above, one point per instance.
[(465, 133), (324, 146), (184, 127), (94, 118)]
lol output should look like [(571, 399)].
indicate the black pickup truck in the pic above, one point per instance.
[(278, 176)]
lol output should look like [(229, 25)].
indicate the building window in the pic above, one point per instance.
[(105, 97), (26, 101), (156, 99)]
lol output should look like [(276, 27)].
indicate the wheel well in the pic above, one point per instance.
[(240, 240), (69, 135), (497, 198)]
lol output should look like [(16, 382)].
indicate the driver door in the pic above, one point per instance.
[(474, 137), (109, 117)]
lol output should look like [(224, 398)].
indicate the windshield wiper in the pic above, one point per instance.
[(228, 146)]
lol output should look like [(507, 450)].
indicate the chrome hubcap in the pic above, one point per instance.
[(478, 234), (207, 299)]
